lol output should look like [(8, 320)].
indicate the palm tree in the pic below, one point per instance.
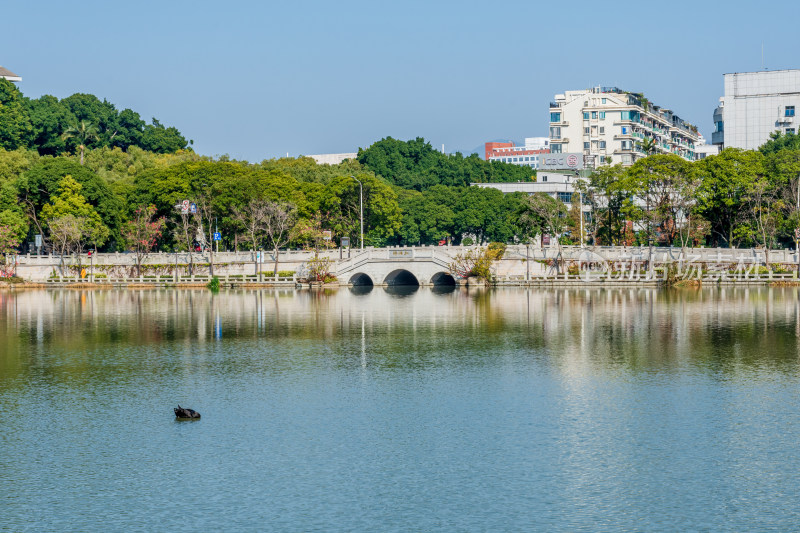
[(83, 132), (649, 145)]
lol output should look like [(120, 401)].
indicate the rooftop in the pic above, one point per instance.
[(10, 76)]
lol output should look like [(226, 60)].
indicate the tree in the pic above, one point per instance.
[(722, 193), (341, 208), (764, 206), (648, 145), (9, 242), (15, 122), (142, 232), (666, 185), (542, 214), (72, 221), (251, 217), (279, 221), (204, 219), (41, 182), (83, 133), (605, 192)]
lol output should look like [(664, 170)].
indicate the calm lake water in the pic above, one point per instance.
[(505, 410)]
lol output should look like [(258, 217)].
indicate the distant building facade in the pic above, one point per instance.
[(8, 75), (332, 159), (616, 126), (756, 104), (554, 183), (527, 155), (703, 150)]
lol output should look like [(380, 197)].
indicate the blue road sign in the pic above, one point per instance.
[(217, 236)]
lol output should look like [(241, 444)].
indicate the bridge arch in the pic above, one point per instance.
[(360, 279), (401, 277), (443, 279)]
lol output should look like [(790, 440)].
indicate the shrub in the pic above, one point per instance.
[(467, 241), (213, 285)]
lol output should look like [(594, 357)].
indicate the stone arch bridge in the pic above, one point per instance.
[(398, 266)]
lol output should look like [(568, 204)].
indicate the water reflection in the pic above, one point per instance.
[(573, 330)]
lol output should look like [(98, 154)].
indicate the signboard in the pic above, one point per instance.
[(545, 240), (345, 242), (185, 207), (217, 236), (565, 161), (193, 208), (38, 240), (327, 234)]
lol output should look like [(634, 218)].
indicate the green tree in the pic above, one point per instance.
[(722, 194), (341, 208), (82, 133), (665, 185), (15, 121), (38, 184), (72, 221)]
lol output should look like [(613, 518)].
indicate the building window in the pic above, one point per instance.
[(544, 178), (602, 145), (602, 130), (603, 113), (555, 117), (555, 132), (624, 130), (594, 115), (555, 148), (719, 127), (789, 130), (565, 197), (586, 131), (626, 159), (586, 115), (603, 100), (789, 111), (586, 146)]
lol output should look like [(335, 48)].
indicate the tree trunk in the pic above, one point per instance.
[(275, 273)]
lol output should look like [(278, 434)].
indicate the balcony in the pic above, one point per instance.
[(718, 137), (554, 105)]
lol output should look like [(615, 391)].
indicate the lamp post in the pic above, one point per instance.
[(360, 208)]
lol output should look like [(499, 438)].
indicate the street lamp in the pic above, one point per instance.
[(360, 208)]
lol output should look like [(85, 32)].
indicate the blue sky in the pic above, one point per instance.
[(256, 80)]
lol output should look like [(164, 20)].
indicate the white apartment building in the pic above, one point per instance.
[(755, 105), (616, 126), (526, 155)]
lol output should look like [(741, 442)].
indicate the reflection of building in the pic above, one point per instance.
[(617, 126), (756, 104), (8, 75), (527, 155)]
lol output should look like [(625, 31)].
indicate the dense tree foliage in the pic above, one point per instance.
[(416, 165), (81, 173), (52, 126)]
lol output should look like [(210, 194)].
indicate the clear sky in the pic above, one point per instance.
[(257, 80)]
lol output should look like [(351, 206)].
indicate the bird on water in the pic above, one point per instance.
[(183, 412)]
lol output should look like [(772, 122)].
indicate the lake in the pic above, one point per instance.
[(400, 410)]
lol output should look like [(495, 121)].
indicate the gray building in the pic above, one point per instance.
[(755, 105)]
